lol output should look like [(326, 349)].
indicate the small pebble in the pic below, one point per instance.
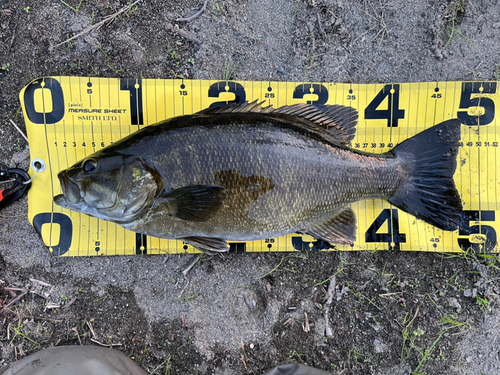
[(453, 302)]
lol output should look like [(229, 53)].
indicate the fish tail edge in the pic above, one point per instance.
[(430, 159)]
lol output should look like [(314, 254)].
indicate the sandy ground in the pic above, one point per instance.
[(392, 313)]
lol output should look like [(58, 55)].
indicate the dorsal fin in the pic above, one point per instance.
[(254, 106), (340, 121)]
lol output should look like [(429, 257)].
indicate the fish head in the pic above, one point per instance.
[(115, 188)]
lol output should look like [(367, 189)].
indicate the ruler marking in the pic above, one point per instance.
[(367, 222), (165, 95), (434, 123), (70, 89), (58, 158), (435, 106), (483, 247), (462, 150), (454, 236), (441, 119), (416, 131), (426, 232), (93, 148), (410, 91), (50, 167), (488, 206), (172, 84), (145, 113), (78, 216), (358, 227), (391, 109), (201, 97), (269, 85), (102, 139), (469, 161), (106, 249), (191, 90), (112, 139), (73, 118), (470, 169), (446, 90), (155, 103)]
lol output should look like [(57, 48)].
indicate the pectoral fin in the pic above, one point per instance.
[(194, 202), (339, 230), (207, 244)]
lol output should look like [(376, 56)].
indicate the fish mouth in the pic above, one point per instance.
[(71, 192)]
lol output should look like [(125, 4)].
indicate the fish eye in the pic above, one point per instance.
[(89, 165)]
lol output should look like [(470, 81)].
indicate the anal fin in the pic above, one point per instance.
[(341, 229), (207, 244)]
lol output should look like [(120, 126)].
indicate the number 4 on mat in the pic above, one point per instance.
[(393, 114), (392, 236)]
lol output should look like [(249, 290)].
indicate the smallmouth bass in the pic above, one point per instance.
[(243, 172)]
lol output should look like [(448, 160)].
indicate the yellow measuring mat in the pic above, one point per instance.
[(69, 118)]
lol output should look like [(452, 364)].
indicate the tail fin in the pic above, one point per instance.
[(430, 159)]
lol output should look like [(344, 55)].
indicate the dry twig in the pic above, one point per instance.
[(42, 283), (13, 36), (107, 345), (288, 322), (14, 301), (390, 294), (191, 265), (306, 327), (8, 330), (91, 329), (69, 303), (243, 356), (330, 294), (19, 130), (194, 15), (51, 305), (183, 289), (77, 335)]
